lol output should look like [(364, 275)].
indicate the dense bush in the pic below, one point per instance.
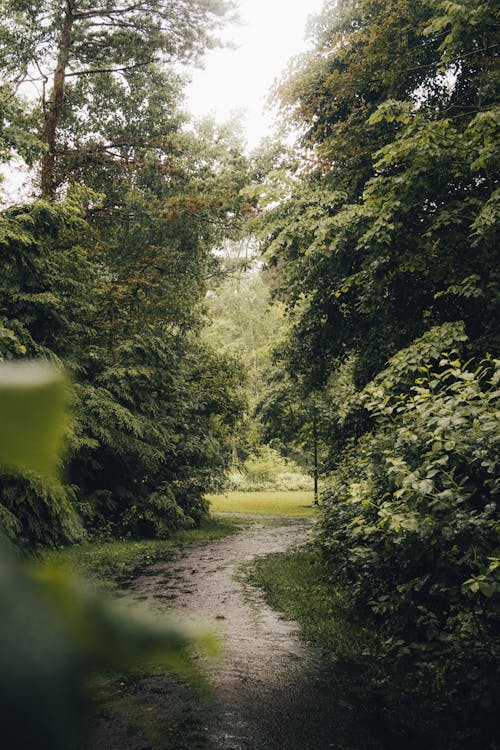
[(411, 527), (266, 469), (152, 405)]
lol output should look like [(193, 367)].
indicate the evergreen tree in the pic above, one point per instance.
[(107, 273)]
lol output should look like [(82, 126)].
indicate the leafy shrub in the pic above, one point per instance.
[(266, 469), (190, 495), (178, 505), (157, 516), (410, 525), (38, 512)]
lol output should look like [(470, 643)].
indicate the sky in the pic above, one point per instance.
[(270, 33)]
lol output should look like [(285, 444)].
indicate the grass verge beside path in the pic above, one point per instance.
[(296, 583), (105, 560), (265, 503)]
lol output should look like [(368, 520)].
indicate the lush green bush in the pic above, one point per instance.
[(153, 407), (266, 469), (410, 525), (36, 511)]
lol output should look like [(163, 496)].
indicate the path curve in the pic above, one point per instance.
[(270, 687)]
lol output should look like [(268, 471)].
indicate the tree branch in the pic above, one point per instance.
[(96, 71)]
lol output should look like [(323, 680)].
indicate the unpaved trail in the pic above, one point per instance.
[(271, 691)]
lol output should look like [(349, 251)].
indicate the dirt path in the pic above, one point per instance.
[(271, 691)]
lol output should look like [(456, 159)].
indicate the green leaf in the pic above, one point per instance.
[(32, 416)]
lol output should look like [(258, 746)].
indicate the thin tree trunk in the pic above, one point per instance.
[(315, 448), (54, 107)]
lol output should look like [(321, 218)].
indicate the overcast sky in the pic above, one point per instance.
[(271, 32)]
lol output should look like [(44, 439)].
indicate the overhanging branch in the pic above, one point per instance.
[(96, 71)]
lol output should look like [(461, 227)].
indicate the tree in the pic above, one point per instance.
[(74, 50), (107, 272), (243, 322), (291, 420), (45, 309), (395, 188), (382, 231)]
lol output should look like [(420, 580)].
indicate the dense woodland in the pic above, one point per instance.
[(106, 269), (376, 364), (382, 230)]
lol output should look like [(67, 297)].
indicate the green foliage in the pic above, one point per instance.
[(36, 511), (93, 61), (386, 228), (107, 274), (243, 322), (266, 469), (153, 436), (382, 232), (17, 136), (410, 527), (152, 403)]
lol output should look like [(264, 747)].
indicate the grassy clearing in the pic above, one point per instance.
[(266, 503), (110, 559), (296, 584)]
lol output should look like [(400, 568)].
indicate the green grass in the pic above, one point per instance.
[(104, 560), (296, 584), (267, 503)]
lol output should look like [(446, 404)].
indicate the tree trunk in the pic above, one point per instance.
[(54, 106), (315, 449)]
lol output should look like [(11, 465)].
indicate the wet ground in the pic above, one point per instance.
[(270, 691)]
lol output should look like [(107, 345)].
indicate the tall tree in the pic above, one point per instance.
[(57, 43), (388, 228), (107, 272)]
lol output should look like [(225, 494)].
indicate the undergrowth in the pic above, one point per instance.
[(296, 583)]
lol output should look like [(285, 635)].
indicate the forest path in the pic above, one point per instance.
[(271, 690)]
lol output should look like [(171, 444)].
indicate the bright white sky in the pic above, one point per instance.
[(271, 32)]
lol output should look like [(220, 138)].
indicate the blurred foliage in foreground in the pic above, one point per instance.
[(55, 630)]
